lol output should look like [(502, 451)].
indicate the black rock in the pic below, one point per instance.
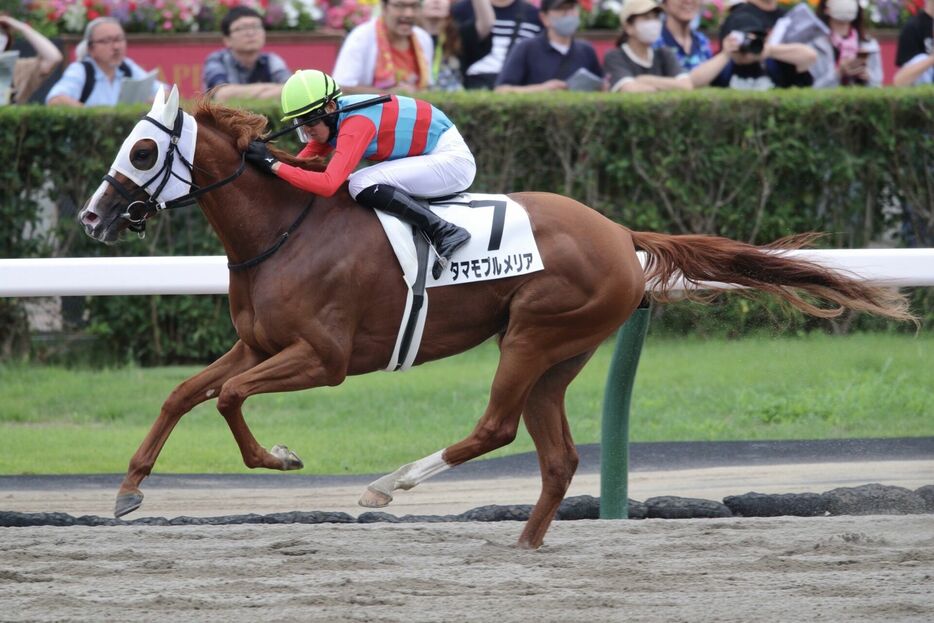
[(429, 518), (774, 505), (579, 507), (874, 499), (94, 520), (374, 517), (637, 510), (312, 517), (674, 507), (927, 494), (493, 512), (14, 519)]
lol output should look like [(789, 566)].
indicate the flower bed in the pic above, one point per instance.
[(55, 17)]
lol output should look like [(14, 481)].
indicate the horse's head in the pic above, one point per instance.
[(153, 166)]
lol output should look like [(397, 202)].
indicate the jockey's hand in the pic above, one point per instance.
[(258, 154)]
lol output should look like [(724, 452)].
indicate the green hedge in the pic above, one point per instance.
[(753, 167)]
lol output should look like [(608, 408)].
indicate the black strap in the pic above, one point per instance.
[(515, 33), (265, 255), (90, 79)]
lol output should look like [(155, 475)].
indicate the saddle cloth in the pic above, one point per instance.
[(501, 245)]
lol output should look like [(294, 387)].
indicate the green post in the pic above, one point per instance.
[(614, 439)]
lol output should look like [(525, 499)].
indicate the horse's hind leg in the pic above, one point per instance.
[(546, 420), (202, 386), (518, 370)]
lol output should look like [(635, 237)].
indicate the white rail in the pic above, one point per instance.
[(208, 274)]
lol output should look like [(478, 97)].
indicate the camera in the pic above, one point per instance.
[(752, 42)]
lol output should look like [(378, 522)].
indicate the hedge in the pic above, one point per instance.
[(753, 167)]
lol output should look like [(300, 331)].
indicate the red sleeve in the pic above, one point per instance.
[(352, 139), (313, 149)]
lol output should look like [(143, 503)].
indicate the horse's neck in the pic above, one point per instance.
[(249, 213)]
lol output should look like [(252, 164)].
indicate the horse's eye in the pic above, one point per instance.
[(141, 154)]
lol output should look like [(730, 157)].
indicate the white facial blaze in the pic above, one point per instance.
[(92, 202), (165, 113)]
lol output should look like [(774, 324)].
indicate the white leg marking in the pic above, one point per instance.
[(412, 474)]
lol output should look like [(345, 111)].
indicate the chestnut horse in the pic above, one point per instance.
[(311, 302)]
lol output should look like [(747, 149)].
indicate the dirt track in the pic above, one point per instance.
[(838, 569)]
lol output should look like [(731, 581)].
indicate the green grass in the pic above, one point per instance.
[(57, 420)]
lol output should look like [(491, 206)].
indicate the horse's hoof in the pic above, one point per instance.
[(289, 459), (372, 498), (127, 503)]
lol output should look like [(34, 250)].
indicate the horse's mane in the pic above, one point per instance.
[(244, 126)]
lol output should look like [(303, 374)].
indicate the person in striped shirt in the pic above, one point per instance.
[(415, 150)]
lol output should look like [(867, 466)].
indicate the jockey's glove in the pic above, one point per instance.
[(258, 154)]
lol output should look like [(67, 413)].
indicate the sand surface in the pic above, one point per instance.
[(871, 568)]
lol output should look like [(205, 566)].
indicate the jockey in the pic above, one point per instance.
[(415, 148)]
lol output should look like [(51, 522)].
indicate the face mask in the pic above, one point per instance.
[(842, 10), (566, 25), (648, 30)]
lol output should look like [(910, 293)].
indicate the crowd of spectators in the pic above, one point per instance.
[(508, 46)]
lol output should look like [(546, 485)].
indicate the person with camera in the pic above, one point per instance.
[(747, 61), (847, 56), (634, 66)]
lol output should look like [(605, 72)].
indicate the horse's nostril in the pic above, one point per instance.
[(88, 218)]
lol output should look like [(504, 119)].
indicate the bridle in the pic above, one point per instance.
[(137, 211)]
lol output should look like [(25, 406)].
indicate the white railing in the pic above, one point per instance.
[(208, 274)]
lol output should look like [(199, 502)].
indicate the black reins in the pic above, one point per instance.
[(138, 211)]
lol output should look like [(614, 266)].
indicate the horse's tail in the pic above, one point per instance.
[(696, 258)]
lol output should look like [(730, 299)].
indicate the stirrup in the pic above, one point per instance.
[(441, 264)]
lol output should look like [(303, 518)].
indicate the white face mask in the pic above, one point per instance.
[(648, 30), (842, 10)]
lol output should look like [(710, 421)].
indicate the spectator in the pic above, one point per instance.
[(449, 40), (102, 66), (917, 71), (28, 73), (747, 62), (915, 41), (389, 53), (635, 66), (691, 47), (545, 62), (242, 69), (514, 20), (848, 56)]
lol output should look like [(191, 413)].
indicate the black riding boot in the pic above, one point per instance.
[(446, 237)]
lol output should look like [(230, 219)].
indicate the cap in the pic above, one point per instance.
[(551, 5), (743, 20), (636, 7)]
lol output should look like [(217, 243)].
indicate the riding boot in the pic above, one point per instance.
[(445, 237)]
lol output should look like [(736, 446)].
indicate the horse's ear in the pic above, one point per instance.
[(171, 108), (158, 104)]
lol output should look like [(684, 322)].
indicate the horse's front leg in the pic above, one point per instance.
[(296, 367), (190, 393)]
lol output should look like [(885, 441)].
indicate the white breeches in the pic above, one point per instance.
[(447, 169)]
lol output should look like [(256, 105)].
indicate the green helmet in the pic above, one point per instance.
[(306, 91)]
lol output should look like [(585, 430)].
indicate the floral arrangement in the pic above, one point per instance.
[(348, 14), (70, 16), (879, 13), (162, 16)]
